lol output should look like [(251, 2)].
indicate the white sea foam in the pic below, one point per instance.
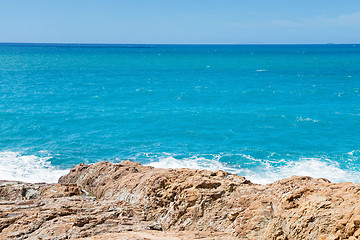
[(301, 119), (196, 162), (28, 168), (354, 153), (261, 70), (264, 172), (312, 167)]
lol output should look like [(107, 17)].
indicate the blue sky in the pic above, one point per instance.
[(181, 21)]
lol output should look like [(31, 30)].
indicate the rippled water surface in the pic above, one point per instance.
[(262, 111)]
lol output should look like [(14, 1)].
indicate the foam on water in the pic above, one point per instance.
[(301, 119), (28, 168), (265, 172), (312, 167), (196, 162)]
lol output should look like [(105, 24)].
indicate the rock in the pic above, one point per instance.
[(132, 201), (156, 235), (11, 190)]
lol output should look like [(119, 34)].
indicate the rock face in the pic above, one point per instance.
[(107, 201)]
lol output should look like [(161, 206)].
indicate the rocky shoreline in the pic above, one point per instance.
[(132, 201)]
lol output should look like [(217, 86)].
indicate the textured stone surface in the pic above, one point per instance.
[(131, 201), (168, 235)]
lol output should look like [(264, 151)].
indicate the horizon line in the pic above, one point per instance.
[(89, 43)]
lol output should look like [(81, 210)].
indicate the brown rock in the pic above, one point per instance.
[(156, 235), (113, 199)]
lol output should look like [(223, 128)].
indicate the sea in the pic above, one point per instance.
[(265, 112)]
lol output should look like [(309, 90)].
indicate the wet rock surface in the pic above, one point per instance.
[(132, 201)]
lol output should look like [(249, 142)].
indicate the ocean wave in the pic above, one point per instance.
[(354, 153), (28, 168), (197, 162), (313, 167), (264, 171)]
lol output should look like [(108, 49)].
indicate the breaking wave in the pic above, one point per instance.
[(28, 168), (263, 171)]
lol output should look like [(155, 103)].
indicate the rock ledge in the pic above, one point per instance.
[(132, 201)]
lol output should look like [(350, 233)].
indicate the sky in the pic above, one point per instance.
[(180, 22)]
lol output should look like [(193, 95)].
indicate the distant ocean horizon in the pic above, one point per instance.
[(263, 111), (125, 45)]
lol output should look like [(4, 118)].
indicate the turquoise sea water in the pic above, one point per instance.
[(262, 111)]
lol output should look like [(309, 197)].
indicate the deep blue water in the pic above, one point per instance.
[(262, 111)]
